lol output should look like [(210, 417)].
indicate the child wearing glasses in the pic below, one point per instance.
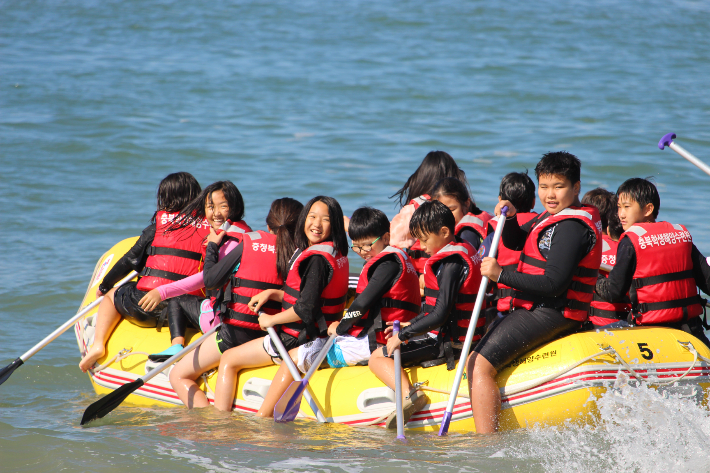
[(388, 290)]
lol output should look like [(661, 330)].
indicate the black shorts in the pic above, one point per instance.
[(183, 312), (126, 298), (230, 336), (522, 331), (415, 351)]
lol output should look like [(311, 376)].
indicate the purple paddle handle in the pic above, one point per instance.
[(666, 140), (504, 210)]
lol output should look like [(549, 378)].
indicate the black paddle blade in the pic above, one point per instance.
[(110, 402), (9, 369)]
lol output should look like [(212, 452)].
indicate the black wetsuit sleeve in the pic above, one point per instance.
[(315, 276), (217, 271), (471, 237), (451, 273), (701, 270), (133, 260), (616, 286), (570, 242), (513, 236), (381, 281)]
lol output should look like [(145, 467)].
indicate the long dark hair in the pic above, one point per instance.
[(194, 212), (282, 220), (337, 228), (452, 187), (435, 166), (175, 191)]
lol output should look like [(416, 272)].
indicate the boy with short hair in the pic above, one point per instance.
[(553, 283), (657, 263), (603, 314), (388, 290), (518, 188), (452, 277)]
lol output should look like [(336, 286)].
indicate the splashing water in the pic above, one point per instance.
[(640, 429)]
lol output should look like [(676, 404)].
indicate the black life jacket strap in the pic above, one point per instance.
[(674, 304), (538, 263), (510, 267), (395, 304), (579, 286), (239, 299), (608, 314), (649, 281), (580, 271), (291, 291), (552, 301), (159, 273), (503, 293), (161, 250), (251, 284)]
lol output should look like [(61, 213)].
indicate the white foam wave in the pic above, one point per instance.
[(640, 429)]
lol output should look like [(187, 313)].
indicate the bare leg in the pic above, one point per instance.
[(383, 368), (185, 373), (485, 396), (107, 318), (278, 387), (178, 341), (249, 355)]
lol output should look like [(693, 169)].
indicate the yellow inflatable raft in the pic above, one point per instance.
[(556, 383)]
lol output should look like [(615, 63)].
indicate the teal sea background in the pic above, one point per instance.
[(100, 100)]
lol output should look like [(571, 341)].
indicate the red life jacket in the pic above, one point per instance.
[(476, 222), (401, 302), (175, 254), (460, 318), (508, 260), (235, 230), (581, 289), (663, 289), (602, 312), (333, 296), (256, 272), (415, 253)]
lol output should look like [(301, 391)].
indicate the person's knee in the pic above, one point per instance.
[(478, 367)]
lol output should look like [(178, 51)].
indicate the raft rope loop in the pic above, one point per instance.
[(121, 355), (504, 391)]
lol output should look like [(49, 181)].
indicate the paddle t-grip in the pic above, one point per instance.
[(666, 140)]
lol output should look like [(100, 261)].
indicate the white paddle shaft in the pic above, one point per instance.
[(63, 328), (294, 372), (474, 318), (681, 151)]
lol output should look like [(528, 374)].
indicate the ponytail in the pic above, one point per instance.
[(282, 220)]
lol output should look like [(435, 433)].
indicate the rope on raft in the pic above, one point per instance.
[(538, 382), (121, 355)]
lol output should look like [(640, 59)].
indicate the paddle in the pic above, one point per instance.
[(446, 420), (294, 373), (398, 385), (287, 408), (667, 140), (9, 369), (111, 401)]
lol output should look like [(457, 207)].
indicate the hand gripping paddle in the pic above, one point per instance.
[(287, 408), (446, 420)]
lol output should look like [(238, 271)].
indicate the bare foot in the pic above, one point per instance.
[(96, 352)]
